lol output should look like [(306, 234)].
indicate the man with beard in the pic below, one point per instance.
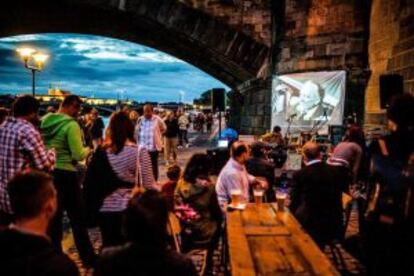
[(21, 146)]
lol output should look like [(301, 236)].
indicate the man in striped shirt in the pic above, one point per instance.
[(21, 146)]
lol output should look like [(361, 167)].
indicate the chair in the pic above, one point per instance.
[(174, 229), (198, 256)]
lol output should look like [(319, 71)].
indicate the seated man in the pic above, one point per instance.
[(259, 165), (234, 175), (316, 197), (145, 252), (25, 249), (274, 137)]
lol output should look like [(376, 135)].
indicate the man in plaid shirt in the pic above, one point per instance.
[(21, 147)]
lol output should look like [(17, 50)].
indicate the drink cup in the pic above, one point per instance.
[(280, 199), (235, 197), (258, 196)]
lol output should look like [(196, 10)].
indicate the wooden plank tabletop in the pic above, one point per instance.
[(263, 241)]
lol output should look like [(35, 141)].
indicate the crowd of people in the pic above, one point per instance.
[(121, 195)]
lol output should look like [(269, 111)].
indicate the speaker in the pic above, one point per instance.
[(218, 100), (390, 86)]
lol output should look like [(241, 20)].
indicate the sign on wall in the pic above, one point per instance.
[(308, 101)]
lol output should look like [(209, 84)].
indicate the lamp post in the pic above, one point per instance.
[(33, 61)]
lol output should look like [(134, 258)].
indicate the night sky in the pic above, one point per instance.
[(102, 67)]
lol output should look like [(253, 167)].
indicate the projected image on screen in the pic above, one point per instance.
[(309, 101)]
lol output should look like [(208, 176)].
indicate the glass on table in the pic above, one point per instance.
[(281, 195), (236, 195), (258, 193)]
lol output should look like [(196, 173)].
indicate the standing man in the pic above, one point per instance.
[(62, 132), (183, 124), (96, 128), (317, 197), (149, 130), (171, 138), (234, 175), (21, 146)]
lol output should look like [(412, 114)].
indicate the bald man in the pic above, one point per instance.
[(316, 197), (234, 175)]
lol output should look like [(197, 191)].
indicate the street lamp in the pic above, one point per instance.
[(29, 54)]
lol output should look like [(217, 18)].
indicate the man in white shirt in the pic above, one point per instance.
[(148, 132), (234, 175)]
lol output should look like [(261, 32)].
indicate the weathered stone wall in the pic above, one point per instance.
[(255, 107), (317, 35), (323, 35), (391, 47), (251, 17), (167, 25)]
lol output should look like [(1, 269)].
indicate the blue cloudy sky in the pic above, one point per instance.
[(102, 67)]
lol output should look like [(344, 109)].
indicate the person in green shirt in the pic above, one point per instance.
[(62, 132)]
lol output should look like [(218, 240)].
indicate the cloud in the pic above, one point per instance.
[(100, 66)]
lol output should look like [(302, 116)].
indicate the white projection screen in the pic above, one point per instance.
[(310, 101)]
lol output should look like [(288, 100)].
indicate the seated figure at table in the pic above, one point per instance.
[(234, 176), (196, 190), (146, 251), (25, 248), (259, 166), (316, 197)]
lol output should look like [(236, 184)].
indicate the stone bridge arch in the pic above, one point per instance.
[(166, 25)]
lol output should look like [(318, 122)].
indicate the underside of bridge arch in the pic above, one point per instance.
[(166, 25)]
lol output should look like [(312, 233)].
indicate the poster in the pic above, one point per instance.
[(308, 101)]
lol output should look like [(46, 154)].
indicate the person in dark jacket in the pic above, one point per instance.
[(390, 212), (96, 128), (145, 252), (316, 197), (25, 248), (171, 138), (260, 166)]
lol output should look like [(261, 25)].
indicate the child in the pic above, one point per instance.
[(173, 174)]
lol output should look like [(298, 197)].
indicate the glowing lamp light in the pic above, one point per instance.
[(25, 53), (30, 56), (40, 59)]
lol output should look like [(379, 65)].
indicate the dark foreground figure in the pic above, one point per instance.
[(145, 252), (25, 249), (389, 231)]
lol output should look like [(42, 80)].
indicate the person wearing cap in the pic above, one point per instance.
[(62, 132), (258, 165)]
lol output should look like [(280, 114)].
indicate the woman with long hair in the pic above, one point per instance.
[(113, 172), (196, 190)]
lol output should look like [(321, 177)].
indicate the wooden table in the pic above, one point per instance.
[(263, 241)]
